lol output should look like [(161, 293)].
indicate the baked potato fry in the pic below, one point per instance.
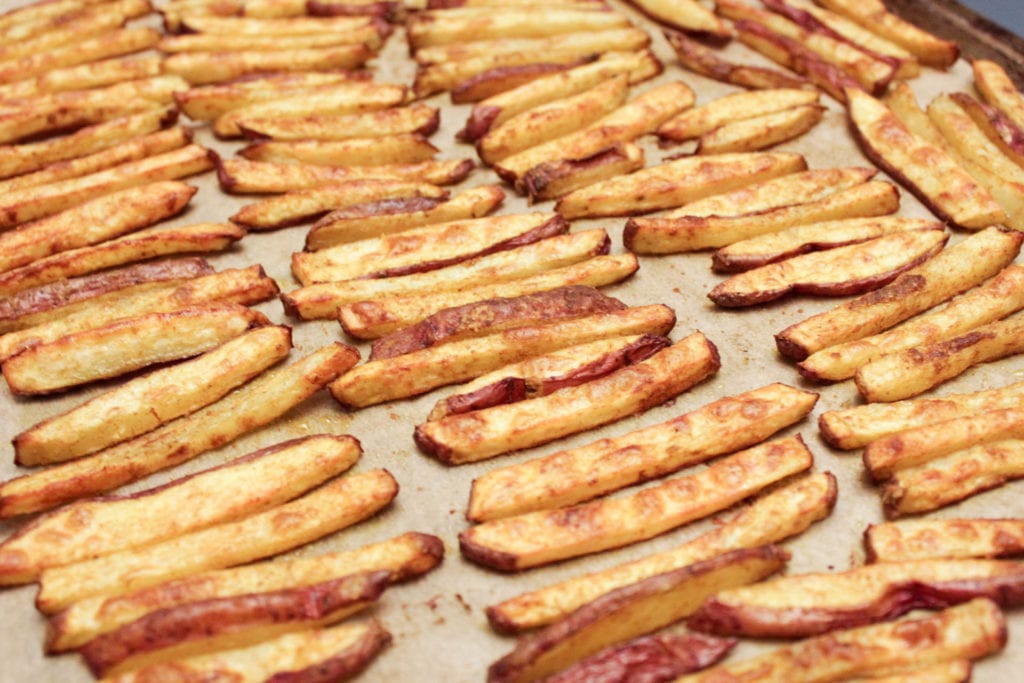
[(996, 125), (245, 409), (241, 176), (495, 81), (378, 151), (842, 271), (952, 478), (110, 44), (706, 61), (401, 558), (105, 72), (579, 474), (298, 206), (274, 26), (388, 216), (334, 653), (925, 539), (676, 182), (340, 503), (555, 179), (770, 518), (39, 17), (996, 87), (761, 132), (23, 120), (631, 611), (698, 121), (538, 538), (675, 233), (201, 68), (415, 119), (802, 605), (147, 402), (431, 28), (950, 671), (685, 15), (369, 35), (250, 484), (912, 371), (208, 102), (950, 272), (462, 357), (373, 319), (972, 630), (990, 301)]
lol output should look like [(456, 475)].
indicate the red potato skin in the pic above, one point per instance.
[(539, 177), (344, 664), (384, 10), (502, 78)]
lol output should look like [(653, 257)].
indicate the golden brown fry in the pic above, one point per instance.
[(698, 121), (22, 120), (200, 68), (770, 518), (685, 15), (287, 26), (503, 78), (245, 409), (579, 474), (706, 61), (377, 151), (951, 671), (558, 178), (416, 119), (924, 539), (241, 176), (538, 538), (74, 28), (999, 128), (32, 15), (91, 75), (995, 86), (111, 44), (368, 35), (207, 102), (340, 503), (761, 132), (427, 29)]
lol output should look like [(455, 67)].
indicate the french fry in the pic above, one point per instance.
[(952, 478), (705, 61), (415, 372), (685, 15), (298, 206), (425, 249), (801, 239), (770, 518), (338, 504), (761, 132), (993, 300), (971, 630), (951, 272), (200, 68), (676, 182), (427, 29), (951, 671), (912, 371), (695, 122), (925, 539), (385, 9), (631, 611), (369, 35), (538, 538), (802, 605), (402, 557), (256, 482), (547, 257), (558, 178), (106, 217), (416, 119), (373, 319), (105, 72), (378, 151), (140, 405), (130, 248), (495, 81), (842, 271), (579, 474), (241, 176), (499, 108), (243, 410), (22, 122), (110, 44), (341, 651), (276, 26), (385, 217), (996, 125), (208, 102), (28, 15), (995, 86)]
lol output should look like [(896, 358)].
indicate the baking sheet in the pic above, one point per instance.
[(439, 628)]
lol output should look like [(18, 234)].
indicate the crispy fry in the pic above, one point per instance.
[(276, 26), (207, 102), (996, 125), (105, 72), (340, 503), (995, 86), (110, 44), (141, 405), (546, 536), (695, 122), (385, 217), (369, 35), (924, 539), (201, 68), (378, 151), (770, 518), (951, 671), (705, 61), (761, 132), (576, 475), (685, 15), (632, 611), (951, 272), (417, 371), (241, 176), (427, 29), (502, 78), (243, 410), (23, 121), (29, 15), (416, 119), (558, 178)]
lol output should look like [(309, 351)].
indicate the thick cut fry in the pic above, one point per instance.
[(373, 319), (125, 345), (676, 182), (926, 170), (378, 151), (632, 611), (804, 605), (386, 217), (912, 371), (772, 517), (579, 474), (993, 300), (338, 504), (953, 478), (416, 371), (996, 125), (761, 132), (245, 409), (699, 58), (538, 538), (458, 439), (241, 176), (111, 44), (401, 558), (20, 122), (90, 75), (858, 426), (427, 29), (675, 233), (685, 15), (201, 68), (29, 203), (207, 102), (925, 539), (951, 671), (370, 36), (256, 482), (288, 26), (145, 403), (298, 206), (334, 653), (502, 78), (952, 271), (416, 119), (731, 108), (835, 272), (557, 178), (995, 86), (33, 15)]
